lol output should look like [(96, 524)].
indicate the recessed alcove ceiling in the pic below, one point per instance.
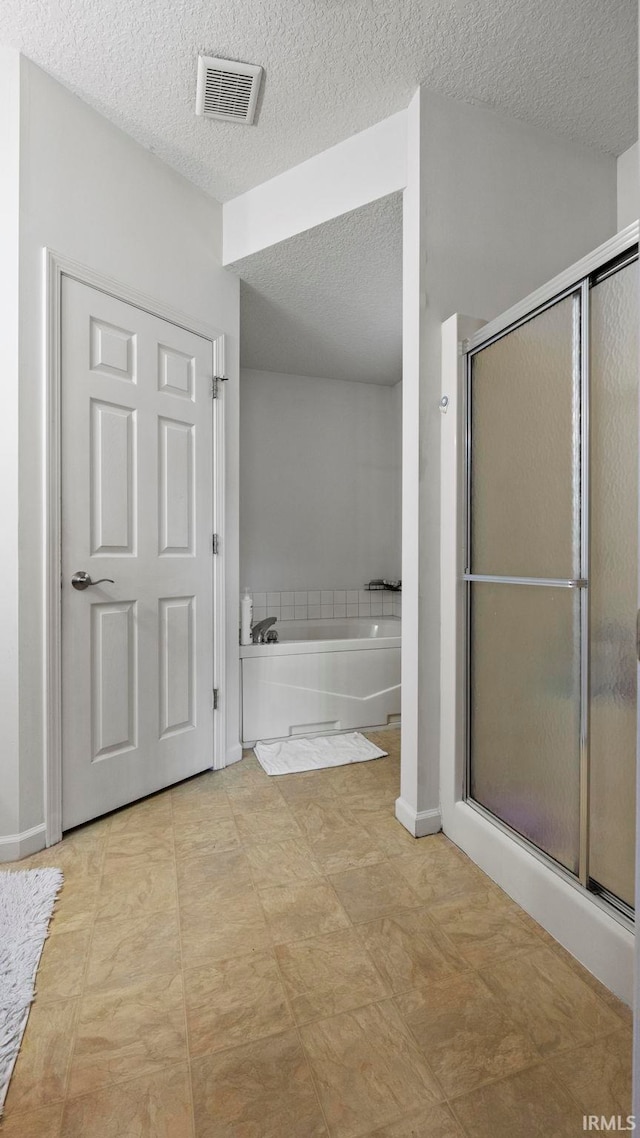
[(328, 302), (332, 68)]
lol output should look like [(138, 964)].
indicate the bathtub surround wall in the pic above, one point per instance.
[(320, 493), (325, 604)]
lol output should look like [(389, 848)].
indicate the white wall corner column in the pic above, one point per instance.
[(229, 439), (418, 807), (628, 177), (455, 331)]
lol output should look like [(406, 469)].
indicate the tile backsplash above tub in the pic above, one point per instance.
[(314, 604)]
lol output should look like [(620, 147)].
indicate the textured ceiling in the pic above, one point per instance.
[(333, 67), (328, 302)]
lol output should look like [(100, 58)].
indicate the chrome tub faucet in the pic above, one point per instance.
[(260, 629)]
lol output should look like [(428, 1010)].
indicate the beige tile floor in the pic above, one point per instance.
[(245, 957)]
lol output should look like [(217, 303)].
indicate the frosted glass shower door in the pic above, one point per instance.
[(613, 580), (524, 573)]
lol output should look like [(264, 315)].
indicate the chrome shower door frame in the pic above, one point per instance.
[(579, 288)]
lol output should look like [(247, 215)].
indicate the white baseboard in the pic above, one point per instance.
[(601, 942), (420, 823), (15, 846), (232, 755)]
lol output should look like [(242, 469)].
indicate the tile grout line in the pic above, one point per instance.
[(567, 1089), (358, 931), (66, 1000), (458, 1120), (323, 877), (59, 1000), (359, 1007), (85, 972), (538, 938), (542, 1060), (445, 1100), (294, 1022), (539, 1062), (574, 965), (352, 927), (182, 975), (123, 1082)]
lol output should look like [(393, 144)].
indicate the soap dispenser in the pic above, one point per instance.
[(246, 615)]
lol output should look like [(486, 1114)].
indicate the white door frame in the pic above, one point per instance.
[(601, 939), (54, 268)]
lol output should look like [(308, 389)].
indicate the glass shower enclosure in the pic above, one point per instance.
[(551, 572)]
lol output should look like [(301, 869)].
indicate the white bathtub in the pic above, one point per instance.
[(321, 676)]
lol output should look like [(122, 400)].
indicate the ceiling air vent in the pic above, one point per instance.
[(227, 90)]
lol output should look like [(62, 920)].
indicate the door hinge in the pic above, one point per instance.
[(215, 543), (215, 384), (215, 699)]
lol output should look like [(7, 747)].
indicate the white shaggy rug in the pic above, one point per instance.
[(27, 898), (293, 755)]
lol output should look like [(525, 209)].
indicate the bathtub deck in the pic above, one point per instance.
[(278, 957)]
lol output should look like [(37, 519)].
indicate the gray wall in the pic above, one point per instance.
[(319, 482)]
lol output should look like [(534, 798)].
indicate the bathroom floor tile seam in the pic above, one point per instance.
[(543, 1061), (42, 998), (185, 1015), (548, 1061), (101, 832), (448, 1101), (357, 929)]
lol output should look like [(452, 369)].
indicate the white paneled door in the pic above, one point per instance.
[(137, 473)]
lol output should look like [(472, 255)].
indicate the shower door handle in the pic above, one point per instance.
[(638, 634)]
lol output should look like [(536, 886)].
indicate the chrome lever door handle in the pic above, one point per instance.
[(82, 580)]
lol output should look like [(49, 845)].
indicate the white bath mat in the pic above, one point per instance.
[(292, 756), (27, 898)]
